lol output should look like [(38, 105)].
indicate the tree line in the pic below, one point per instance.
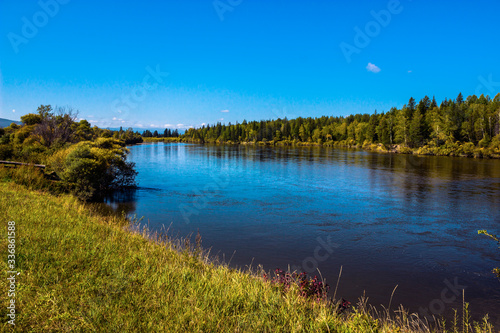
[(458, 123), (168, 133)]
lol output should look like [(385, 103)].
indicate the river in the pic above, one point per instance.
[(388, 220)]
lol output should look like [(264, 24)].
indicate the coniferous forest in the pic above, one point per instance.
[(457, 127)]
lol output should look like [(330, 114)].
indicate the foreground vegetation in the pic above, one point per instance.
[(80, 271), (86, 161)]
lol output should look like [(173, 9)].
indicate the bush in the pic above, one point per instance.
[(30, 151), (5, 152), (467, 149), (495, 144), (484, 142), (91, 169), (404, 150)]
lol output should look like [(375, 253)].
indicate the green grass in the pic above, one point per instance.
[(84, 272)]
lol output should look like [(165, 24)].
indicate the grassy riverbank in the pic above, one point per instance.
[(80, 271)]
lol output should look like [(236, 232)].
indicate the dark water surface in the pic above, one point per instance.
[(387, 219)]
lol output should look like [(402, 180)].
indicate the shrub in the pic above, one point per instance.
[(31, 119), (467, 149), (91, 169), (484, 142), (405, 150), (5, 152), (308, 288)]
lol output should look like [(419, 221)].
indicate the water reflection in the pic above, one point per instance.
[(120, 203)]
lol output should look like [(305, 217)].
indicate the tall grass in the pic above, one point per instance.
[(81, 271), (29, 176)]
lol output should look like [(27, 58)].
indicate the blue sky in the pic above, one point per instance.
[(153, 64)]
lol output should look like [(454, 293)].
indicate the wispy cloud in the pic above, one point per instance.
[(14, 110), (172, 126), (372, 68), (410, 71), (225, 111)]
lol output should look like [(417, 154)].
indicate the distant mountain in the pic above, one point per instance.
[(6, 122)]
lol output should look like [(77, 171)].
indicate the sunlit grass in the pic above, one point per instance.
[(81, 271)]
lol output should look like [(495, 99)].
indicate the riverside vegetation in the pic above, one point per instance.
[(85, 161), (461, 127), (80, 270)]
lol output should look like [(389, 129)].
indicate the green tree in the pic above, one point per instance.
[(401, 127), (82, 131), (44, 111), (360, 132), (416, 129), (31, 119), (435, 121)]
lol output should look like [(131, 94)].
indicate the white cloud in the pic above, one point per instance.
[(372, 68), (225, 111), (14, 110), (221, 119), (203, 124), (114, 118), (180, 125), (152, 125)]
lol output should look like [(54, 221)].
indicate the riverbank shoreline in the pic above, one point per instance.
[(451, 149)]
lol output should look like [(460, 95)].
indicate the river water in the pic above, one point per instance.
[(388, 220)]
